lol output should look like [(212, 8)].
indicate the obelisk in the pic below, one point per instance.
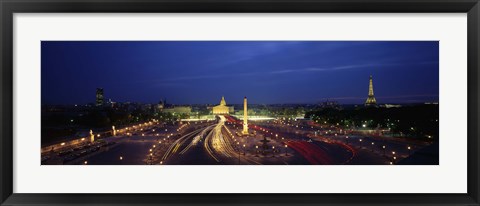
[(245, 117)]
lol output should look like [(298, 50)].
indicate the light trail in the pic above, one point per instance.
[(179, 142), (197, 138), (207, 146), (218, 144)]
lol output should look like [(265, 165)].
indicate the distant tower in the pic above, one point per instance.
[(99, 99), (245, 117), (371, 99)]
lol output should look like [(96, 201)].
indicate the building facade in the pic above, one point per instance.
[(222, 108), (178, 110)]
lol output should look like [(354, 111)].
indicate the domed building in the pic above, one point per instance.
[(222, 108)]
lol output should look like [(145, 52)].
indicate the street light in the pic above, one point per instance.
[(273, 151), (286, 151), (85, 162), (383, 150), (409, 150), (243, 149)]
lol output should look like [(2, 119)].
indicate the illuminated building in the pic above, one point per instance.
[(245, 117), (99, 97), (371, 99), (179, 110), (222, 108)]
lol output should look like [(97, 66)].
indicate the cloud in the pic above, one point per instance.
[(209, 76), (287, 71), (324, 69)]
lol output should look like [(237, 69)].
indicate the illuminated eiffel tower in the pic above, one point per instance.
[(371, 99)]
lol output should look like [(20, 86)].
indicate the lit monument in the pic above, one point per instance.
[(92, 137), (371, 99), (245, 117), (114, 132), (222, 108)]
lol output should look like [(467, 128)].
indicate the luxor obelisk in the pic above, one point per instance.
[(245, 117)]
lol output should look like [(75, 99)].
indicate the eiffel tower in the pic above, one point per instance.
[(371, 99)]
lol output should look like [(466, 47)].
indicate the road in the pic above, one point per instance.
[(220, 142)]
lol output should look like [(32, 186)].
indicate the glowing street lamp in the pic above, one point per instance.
[(286, 151)]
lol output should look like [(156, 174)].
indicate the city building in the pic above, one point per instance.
[(222, 108), (178, 110), (330, 105), (99, 97), (392, 106), (371, 101), (111, 103)]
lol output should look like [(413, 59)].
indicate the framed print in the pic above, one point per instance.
[(239, 102)]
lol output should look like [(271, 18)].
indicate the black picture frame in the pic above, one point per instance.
[(10, 7)]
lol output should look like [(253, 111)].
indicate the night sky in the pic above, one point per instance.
[(197, 72)]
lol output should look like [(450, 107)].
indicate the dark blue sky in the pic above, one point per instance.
[(186, 72)]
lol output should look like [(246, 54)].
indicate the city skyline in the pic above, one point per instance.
[(268, 72)]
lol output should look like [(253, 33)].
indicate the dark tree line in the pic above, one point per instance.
[(415, 121)]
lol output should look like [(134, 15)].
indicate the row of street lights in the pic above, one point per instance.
[(394, 157)]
